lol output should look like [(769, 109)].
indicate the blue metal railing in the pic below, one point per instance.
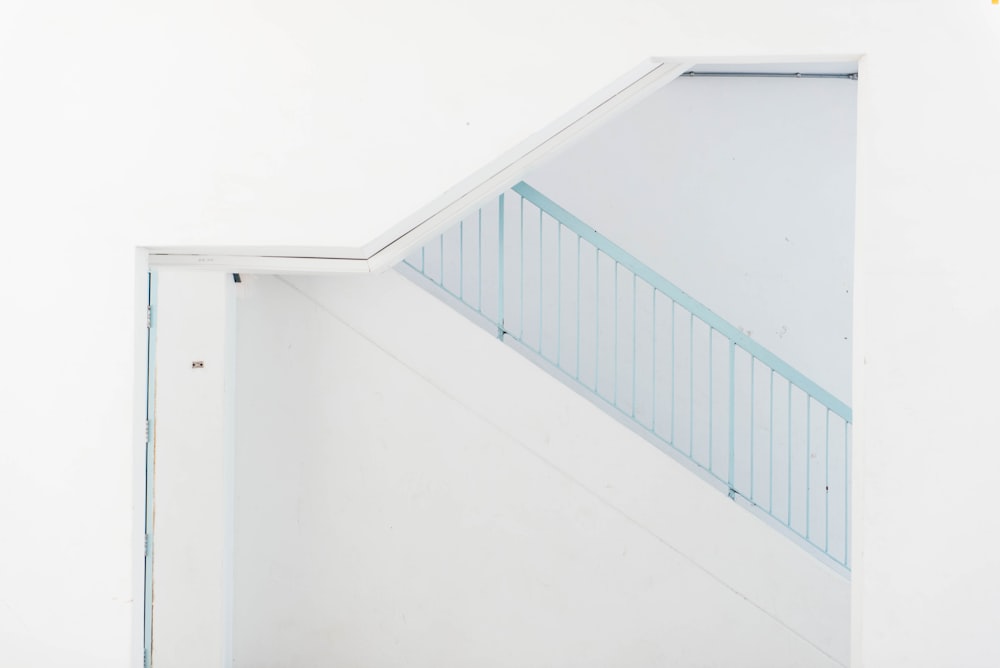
[(664, 364)]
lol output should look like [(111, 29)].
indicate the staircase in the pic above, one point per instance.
[(662, 363)]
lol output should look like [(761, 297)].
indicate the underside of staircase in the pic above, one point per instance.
[(418, 493)]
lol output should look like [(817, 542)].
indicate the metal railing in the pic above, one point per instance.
[(674, 371)]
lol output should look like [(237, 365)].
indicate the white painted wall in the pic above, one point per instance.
[(192, 526), (122, 127), (740, 192), (412, 492)]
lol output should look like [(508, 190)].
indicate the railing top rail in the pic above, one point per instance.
[(698, 309)]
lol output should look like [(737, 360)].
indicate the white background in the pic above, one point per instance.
[(209, 123)]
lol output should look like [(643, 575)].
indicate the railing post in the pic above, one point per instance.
[(732, 417), (500, 273)]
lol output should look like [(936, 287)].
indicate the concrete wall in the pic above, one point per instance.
[(741, 192), (126, 126), (411, 492)]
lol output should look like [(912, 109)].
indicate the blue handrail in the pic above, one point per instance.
[(593, 314), (700, 311)]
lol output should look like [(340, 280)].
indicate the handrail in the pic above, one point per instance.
[(717, 322), (626, 338)]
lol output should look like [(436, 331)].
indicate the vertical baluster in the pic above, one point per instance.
[(500, 268), (521, 265), (770, 447), (541, 283), (597, 319), (479, 263), (808, 462), (691, 374), (614, 350), (653, 399), (558, 295), (847, 498), (711, 378), (826, 483), (753, 392), (789, 453), (673, 367), (634, 327), (732, 416), (579, 316)]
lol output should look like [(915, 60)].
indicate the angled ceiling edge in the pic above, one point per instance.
[(495, 177)]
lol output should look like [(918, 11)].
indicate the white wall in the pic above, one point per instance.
[(193, 502), (121, 127), (412, 492), (740, 192)]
